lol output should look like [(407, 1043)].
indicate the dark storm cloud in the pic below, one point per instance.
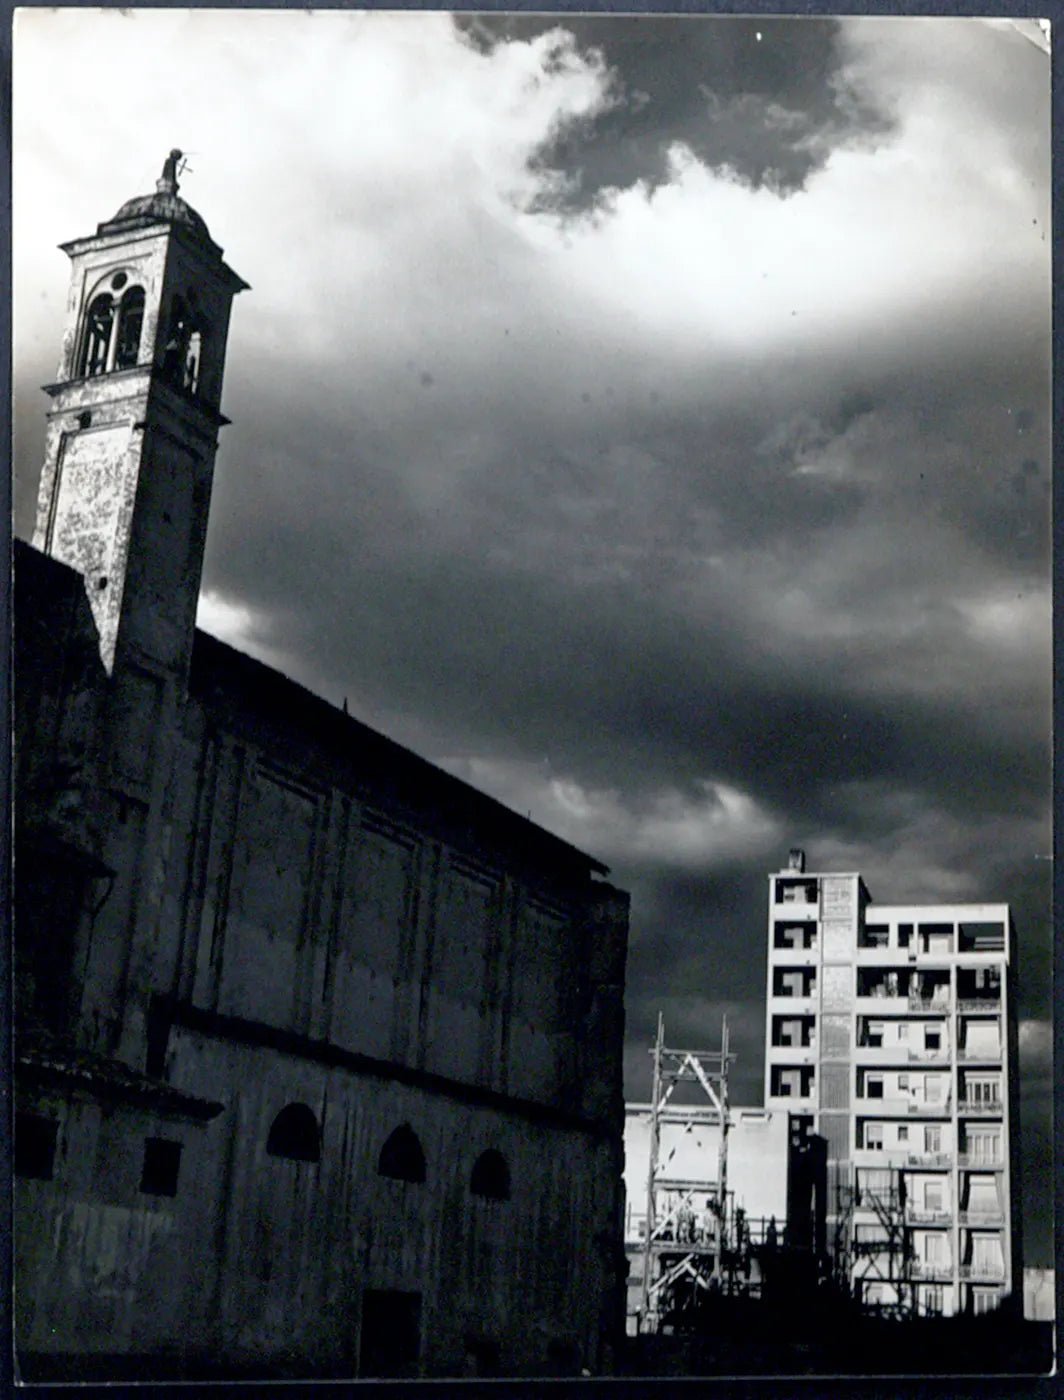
[(762, 98)]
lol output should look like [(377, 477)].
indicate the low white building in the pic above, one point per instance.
[(689, 1159)]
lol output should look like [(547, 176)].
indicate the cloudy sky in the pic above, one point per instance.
[(645, 419)]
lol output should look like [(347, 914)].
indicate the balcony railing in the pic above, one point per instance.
[(979, 1003), (982, 1217), (992, 1273), (981, 1159), (931, 1268), (928, 1159), (927, 1056), (933, 1110), (916, 1215), (981, 1108), (991, 1055), (917, 1002)]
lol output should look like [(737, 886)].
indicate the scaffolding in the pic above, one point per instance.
[(884, 1256), (675, 1253)]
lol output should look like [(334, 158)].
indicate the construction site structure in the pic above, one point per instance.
[(877, 1250), (685, 1252)]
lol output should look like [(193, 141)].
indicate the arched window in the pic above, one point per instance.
[(401, 1156), (183, 346), (295, 1134), (98, 322), (490, 1176), (130, 321)]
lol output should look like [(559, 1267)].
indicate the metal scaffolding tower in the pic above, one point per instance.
[(697, 1260), (888, 1250)]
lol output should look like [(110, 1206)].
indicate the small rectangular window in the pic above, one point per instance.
[(34, 1146), (903, 1132), (162, 1162)]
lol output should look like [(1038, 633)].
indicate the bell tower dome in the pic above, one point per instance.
[(133, 427)]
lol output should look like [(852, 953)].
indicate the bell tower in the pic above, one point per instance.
[(133, 427)]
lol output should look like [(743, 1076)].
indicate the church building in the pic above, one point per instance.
[(318, 1058)]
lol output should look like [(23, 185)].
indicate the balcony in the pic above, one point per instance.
[(981, 1160), (928, 1057), (983, 1218), (929, 1109), (879, 1157), (979, 1004), (879, 1004), (794, 957), (980, 1108), (988, 1273), (787, 1055), (788, 909), (929, 1159), (931, 1268), (991, 1055), (881, 1108), (917, 1215), (939, 1003)]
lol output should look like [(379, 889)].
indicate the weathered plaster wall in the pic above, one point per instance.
[(263, 1261)]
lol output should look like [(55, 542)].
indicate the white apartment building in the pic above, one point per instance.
[(890, 1032)]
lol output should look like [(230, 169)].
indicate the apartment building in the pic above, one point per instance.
[(891, 1033)]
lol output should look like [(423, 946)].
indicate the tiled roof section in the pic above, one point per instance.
[(43, 1059), (231, 684)]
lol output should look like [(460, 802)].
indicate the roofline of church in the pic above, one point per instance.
[(267, 688)]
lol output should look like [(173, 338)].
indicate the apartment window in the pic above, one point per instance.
[(933, 1302), (874, 1034), (932, 1038), (982, 1196), (935, 1248), (905, 935), (874, 1184), (933, 1088), (984, 1146), (932, 1138), (903, 1083), (874, 1086), (873, 1136), (903, 1132), (903, 1030), (982, 938), (162, 1163), (933, 1195), (984, 1300), (986, 1253), (983, 1089)]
